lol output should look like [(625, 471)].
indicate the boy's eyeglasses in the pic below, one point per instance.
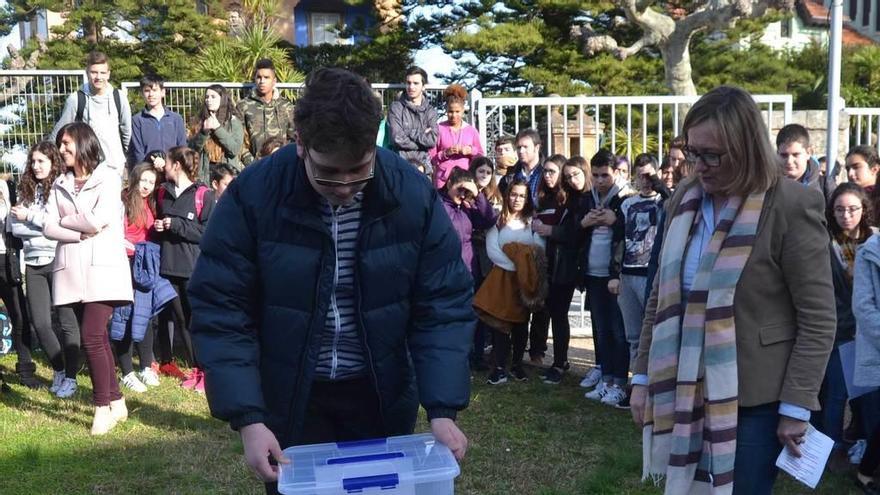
[(340, 183)]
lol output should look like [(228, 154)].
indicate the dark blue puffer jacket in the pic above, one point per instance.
[(262, 286)]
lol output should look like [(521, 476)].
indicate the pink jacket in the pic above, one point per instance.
[(443, 164), (94, 269)]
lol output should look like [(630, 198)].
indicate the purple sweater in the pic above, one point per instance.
[(465, 220)]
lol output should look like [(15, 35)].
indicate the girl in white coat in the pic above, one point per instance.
[(84, 214)]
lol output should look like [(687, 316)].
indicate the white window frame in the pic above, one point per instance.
[(318, 24)]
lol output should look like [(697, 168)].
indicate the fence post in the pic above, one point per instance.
[(480, 111)]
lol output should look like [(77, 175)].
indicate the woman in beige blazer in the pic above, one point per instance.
[(91, 272), (741, 319)]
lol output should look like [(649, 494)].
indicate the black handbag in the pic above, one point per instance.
[(14, 245)]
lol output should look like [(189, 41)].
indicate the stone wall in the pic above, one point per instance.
[(816, 122)]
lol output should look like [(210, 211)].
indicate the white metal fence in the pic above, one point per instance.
[(30, 102), (582, 125), (864, 126), (186, 97)]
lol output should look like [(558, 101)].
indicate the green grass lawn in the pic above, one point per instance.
[(526, 438)]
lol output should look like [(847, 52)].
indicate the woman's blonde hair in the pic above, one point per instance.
[(752, 165)]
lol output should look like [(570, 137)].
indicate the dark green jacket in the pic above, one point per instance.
[(229, 136), (262, 286)]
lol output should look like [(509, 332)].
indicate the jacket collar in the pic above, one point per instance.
[(146, 113), (425, 105), (66, 181), (171, 189), (301, 200), (276, 95)]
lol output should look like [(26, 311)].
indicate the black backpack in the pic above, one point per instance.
[(81, 106)]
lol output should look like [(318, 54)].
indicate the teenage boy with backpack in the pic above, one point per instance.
[(103, 108)]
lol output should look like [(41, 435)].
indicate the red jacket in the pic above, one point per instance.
[(135, 233)]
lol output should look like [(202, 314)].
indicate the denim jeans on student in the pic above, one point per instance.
[(757, 448), (631, 301), (832, 398), (612, 348)]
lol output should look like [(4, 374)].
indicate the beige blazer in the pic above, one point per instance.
[(784, 304)]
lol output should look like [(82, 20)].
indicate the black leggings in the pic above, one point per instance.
[(558, 304), (39, 299), (180, 313), (13, 298), (502, 342), (144, 348), (871, 457)]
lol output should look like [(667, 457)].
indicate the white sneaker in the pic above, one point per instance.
[(149, 377), (66, 389), (614, 395), (57, 379), (597, 393), (131, 381), (118, 410), (857, 451), (103, 420), (592, 378)]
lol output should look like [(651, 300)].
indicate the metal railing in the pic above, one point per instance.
[(864, 126), (30, 102), (628, 125), (186, 98)]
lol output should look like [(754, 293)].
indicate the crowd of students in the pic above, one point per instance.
[(107, 216), (107, 258), (534, 230)]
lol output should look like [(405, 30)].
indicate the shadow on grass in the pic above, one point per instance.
[(120, 464), (79, 410)]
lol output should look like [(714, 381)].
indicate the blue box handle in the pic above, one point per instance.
[(361, 443), (364, 458), (383, 481)]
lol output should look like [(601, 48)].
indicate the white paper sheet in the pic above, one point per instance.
[(809, 466)]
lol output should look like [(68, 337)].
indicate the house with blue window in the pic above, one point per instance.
[(317, 21)]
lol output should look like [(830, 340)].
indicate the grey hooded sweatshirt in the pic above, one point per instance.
[(113, 131), (407, 123)]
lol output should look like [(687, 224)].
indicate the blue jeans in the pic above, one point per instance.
[(832, 398), (757, 448), (612, 349)]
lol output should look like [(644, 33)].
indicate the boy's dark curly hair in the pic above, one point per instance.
[(338, 112)]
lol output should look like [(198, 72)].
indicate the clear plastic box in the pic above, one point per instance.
[(405, 465)]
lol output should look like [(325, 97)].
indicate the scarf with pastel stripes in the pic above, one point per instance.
[(691, 411)]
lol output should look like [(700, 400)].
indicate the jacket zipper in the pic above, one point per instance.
[(337, 328), (362, 326), (302, 364)]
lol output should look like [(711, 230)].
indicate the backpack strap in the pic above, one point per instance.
[(80, 105), (200, 200), (117, 100)]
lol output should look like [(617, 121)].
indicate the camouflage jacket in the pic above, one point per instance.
[(264, 120)]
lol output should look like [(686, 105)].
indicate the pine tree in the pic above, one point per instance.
[(140, 36)]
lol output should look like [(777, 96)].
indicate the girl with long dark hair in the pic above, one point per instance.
[(217, 135), (27, 218), (182, 211), (139, 199), (84, 214), (516, 286)]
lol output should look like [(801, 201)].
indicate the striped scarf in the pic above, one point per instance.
[(691, 411)]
